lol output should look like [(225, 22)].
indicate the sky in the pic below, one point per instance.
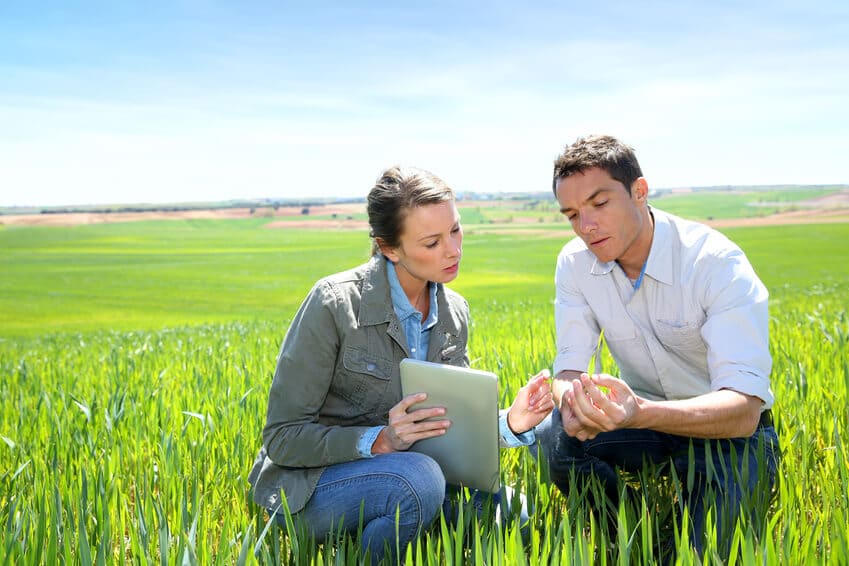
[(121, 102)]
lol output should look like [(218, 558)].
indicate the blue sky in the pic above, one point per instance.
[(130, 102)]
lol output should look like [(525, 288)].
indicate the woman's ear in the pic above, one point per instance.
[(387, 250)]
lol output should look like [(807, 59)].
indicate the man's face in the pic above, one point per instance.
[(604, 215)]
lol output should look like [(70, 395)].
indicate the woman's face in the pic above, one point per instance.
[(430, 245)]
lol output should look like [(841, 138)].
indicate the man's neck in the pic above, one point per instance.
[(632, 263)]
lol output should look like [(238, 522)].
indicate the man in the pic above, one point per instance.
[(685, 318)]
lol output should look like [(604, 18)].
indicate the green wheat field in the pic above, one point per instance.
[(136, 359)]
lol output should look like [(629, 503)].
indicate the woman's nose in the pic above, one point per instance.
[(454, 246)]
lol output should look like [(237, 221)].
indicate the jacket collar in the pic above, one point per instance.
[(376, 303)]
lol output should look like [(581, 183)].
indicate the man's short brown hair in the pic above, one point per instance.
[(605, 152)]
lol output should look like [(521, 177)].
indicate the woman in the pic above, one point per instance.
[(337, 430)]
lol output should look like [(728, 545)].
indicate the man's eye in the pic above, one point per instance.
[(602, 203)]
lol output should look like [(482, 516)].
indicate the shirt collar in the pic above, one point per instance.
[(660, 256), (402, 303), (658, 264)]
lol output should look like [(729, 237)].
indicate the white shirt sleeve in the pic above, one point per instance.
[(576, 327), (736, 329)]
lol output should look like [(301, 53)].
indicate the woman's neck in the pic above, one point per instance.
[(416, 291)]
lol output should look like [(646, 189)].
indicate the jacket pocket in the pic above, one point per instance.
[(366, 378), (359, 361)]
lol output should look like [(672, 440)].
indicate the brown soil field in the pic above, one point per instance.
[(76, 218), (829, 209)]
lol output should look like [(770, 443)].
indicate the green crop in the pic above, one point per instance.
[(136, 361)]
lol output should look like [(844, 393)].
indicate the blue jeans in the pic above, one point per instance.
[(725, 472), (374, 492)]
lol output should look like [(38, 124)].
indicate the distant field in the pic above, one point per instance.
[(131, 271), (146, 275), (530, 212), (136, 357)]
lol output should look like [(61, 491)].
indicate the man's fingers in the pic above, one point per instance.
[(583, 407), (616, 401), (574, 428), (606, 380), (598, 397)]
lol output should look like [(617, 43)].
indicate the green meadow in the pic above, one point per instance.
[(136, 360)]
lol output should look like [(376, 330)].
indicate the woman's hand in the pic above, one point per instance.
[(532, 404), (409, 426)]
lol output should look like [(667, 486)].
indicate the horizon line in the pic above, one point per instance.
[(317, 201)]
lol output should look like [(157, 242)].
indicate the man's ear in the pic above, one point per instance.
[(640, 189), (387, 250)]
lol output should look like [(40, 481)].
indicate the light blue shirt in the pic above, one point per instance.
[(416, 331), (418, 340)]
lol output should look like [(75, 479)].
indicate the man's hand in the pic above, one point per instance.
[(407, 427), (532, 404), (568, 419), (586, 410)]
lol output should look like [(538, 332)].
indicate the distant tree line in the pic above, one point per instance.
[(253, 205), (109, 210)]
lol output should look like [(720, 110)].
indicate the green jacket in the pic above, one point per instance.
[(338, 375)]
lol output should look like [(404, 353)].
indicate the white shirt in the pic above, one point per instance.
[(697, 323)]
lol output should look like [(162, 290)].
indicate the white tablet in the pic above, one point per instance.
[(468, 452)]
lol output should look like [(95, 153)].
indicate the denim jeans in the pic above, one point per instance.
[(726, 472), (374, 492)]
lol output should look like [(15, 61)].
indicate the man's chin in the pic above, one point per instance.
[(603, 258)]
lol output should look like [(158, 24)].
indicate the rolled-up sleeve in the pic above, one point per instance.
[(509, 439), (736, 329)]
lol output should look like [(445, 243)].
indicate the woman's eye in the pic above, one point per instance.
[(431, 245), (602, 203)]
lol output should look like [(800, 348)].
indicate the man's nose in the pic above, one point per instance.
[(588, 223)]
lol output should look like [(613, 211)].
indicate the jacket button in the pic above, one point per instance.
[(370, 367)]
